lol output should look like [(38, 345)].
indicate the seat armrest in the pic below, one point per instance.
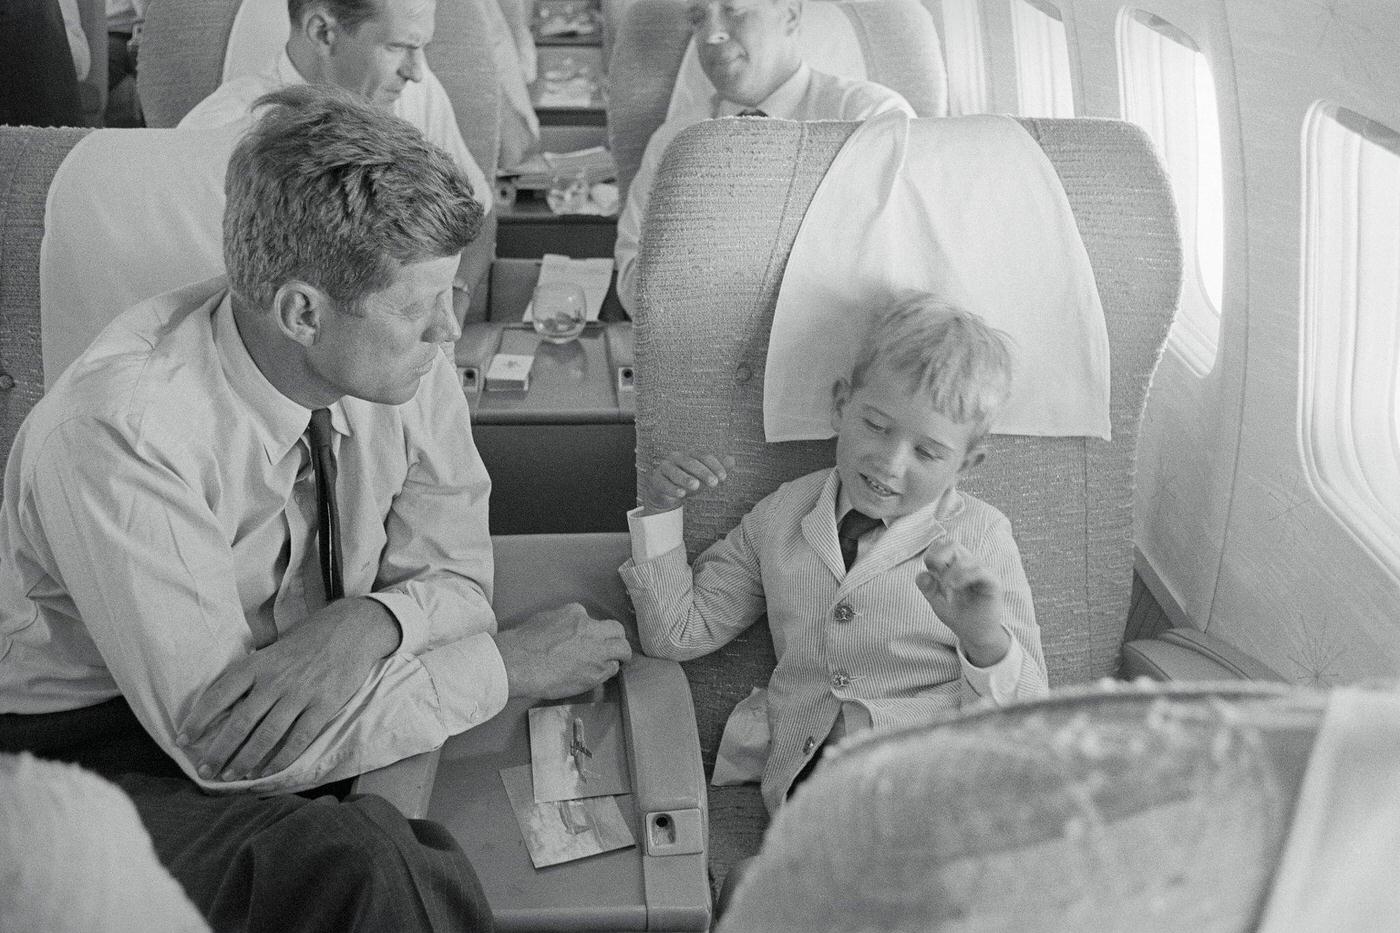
[(407, 784), (535, 572), (1186, 654), (661, 724)]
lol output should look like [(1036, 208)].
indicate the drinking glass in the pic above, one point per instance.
[(559, 311)]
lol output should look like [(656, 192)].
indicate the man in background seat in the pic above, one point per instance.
[(752, 53), (244, 546), (371, 47)]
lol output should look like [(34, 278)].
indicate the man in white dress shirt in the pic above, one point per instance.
[(751, 52), (182, 611), (371, 47)]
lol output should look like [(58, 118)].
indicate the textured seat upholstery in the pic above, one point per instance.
[(725, 209), (897, 38), (28, 159), (182, 62)]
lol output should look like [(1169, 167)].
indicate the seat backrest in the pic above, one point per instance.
[(1009, 818), (710, 271), (28, 159), (897, 41), (185, 41), (182, 62)]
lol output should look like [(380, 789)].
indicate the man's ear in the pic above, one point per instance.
[(792, 15), (299, 310), (840, 395), (974, 456), (321, 28)]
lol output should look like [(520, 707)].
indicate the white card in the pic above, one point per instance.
[(564, 830), (576, 750), (509, 371)]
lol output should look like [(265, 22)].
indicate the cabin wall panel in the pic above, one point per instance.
[(1231, 530), (1188, 447), (1297, 589), (1003, 97)]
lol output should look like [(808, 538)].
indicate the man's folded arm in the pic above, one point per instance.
[(151, 575)]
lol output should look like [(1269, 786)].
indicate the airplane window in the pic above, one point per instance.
[(1168, 89), (1042, 59), (965, 57), (1350, 408)]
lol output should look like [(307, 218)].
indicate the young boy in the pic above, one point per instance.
[(891, 596)]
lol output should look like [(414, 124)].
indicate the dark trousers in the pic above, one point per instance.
[(120, 62), (284, 862), (38, 86)]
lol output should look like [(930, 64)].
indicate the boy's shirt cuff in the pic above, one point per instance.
[(656, 534), (999, 681)]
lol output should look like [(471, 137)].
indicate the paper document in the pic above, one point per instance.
[(540, 169), (564, 830), (596, 161), (592, 275)]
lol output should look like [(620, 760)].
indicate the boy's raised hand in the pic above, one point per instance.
[(968, 598), (680, 475)]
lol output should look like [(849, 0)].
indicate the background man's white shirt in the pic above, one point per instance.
[(807, 95)]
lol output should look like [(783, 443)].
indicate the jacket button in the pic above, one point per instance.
[(808, 745), (843, 613), (840, 681)]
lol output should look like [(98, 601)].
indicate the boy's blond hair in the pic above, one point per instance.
[(952, 355)]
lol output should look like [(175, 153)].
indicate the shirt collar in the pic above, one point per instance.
[(947, 505), (783, 103), (279, 421), (285, 71)]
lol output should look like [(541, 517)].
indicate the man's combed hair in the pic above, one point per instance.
[(963, 365), (331, 190), (349, 13)]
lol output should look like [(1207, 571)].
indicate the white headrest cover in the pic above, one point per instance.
[(131, 214)]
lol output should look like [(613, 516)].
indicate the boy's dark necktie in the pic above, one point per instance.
[(854, 526), (327, 515), (750, 112)]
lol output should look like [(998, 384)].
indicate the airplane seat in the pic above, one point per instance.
[(1138, 807), (29, 157), (725, 210), (898, 46), (186, 43)]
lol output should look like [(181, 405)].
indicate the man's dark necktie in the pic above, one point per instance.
[(750, 112), (327, 515), (854, 526)]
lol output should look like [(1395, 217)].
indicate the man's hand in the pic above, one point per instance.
[(968, 598), (264, 710), (560, 652), (679, 475)]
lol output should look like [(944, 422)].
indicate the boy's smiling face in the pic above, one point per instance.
[(895, 453)]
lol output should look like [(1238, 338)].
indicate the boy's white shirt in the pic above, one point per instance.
[(661, 532)]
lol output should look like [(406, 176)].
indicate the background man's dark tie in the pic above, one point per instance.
[(327, 515), (854, 526)]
